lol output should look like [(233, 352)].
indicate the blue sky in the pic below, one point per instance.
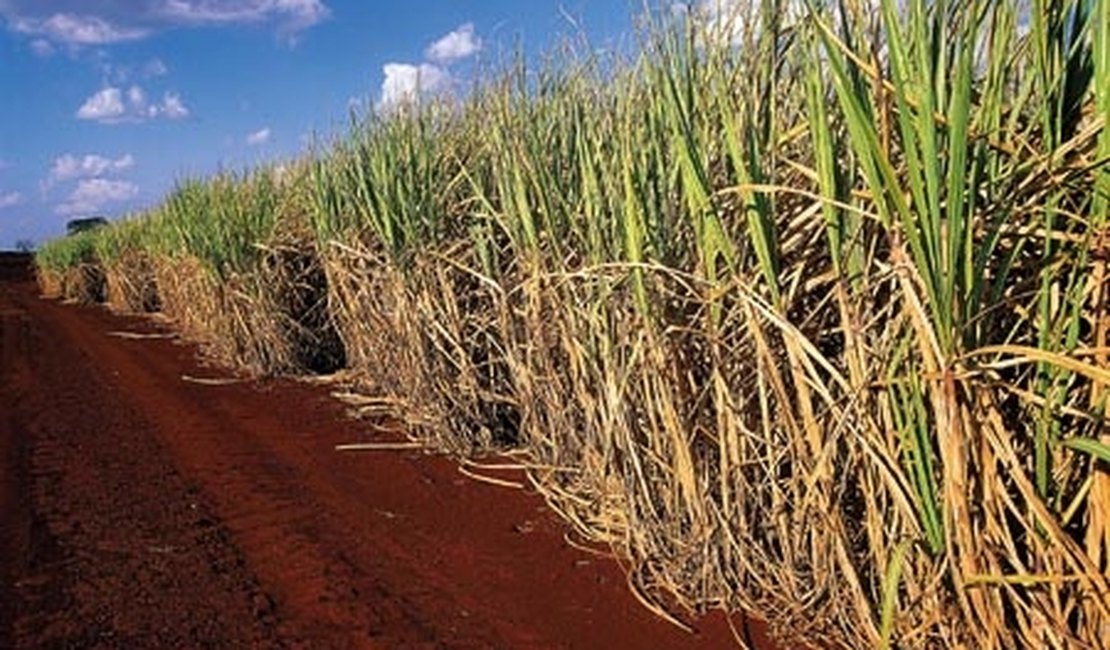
[(106, 103)]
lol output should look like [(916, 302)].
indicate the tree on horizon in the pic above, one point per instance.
[(75, 226)]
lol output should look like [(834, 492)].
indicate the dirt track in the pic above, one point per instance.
[(141, 510)]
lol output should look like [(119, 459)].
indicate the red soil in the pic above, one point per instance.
[(141, 510)]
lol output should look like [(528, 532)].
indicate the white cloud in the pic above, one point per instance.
[(734, 21), (42, 48), (79, 23), (726, 20), (72, 29), (172, 107), (107, 106), (136, 97), (155, 68), (10, 199), (92, 194), (406, 83), (69, 166), (117, 74), (291, 15), (259, 137), (456, 45)]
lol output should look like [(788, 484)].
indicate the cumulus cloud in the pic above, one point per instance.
[(79, 23), (172, 107), (732, 21), (10, 199), (92, 194), (105, 105), (406, 83), (136, 96), (108, 106), (69, 166), (725, 21), (259, 137), (456, 45)]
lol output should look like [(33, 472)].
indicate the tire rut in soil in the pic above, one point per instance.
[(95, 561)]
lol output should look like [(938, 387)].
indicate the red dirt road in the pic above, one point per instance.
[(144, 511)]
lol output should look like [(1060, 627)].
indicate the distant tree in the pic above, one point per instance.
[(24, 245), (75, 226)]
